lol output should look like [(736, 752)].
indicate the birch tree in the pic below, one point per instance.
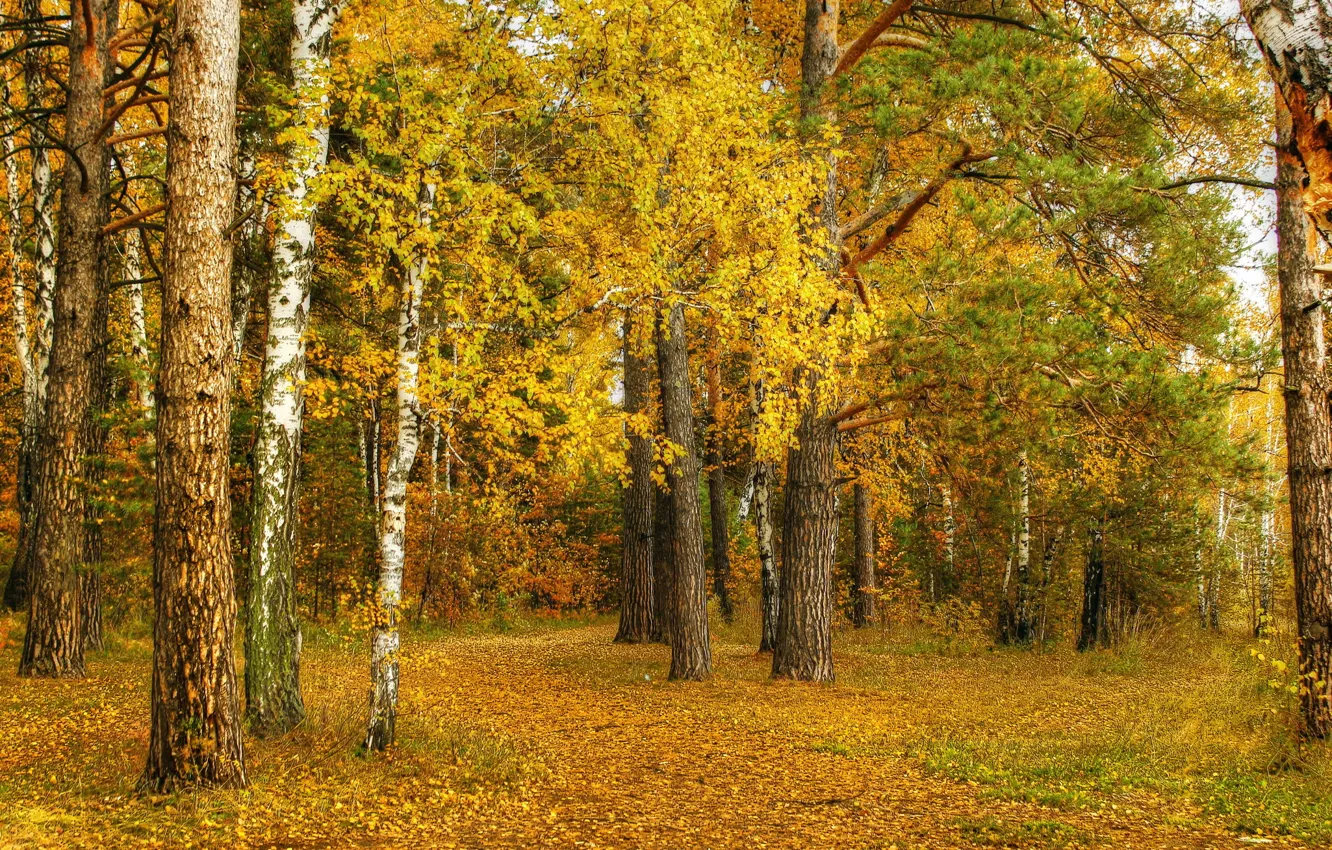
[(384, 640), (272, 632)]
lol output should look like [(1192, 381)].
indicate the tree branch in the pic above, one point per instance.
[(1218, 178), (856, 49), (129, 221)]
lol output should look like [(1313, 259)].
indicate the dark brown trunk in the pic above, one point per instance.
[(809, 547), (1308, 435), (1093, 631), (195, 731), (721, 544), (691, 649), (53, 644), (637, 611), (866, 586), (663, 542)]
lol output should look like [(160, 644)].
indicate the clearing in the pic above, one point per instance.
[(549, 736)]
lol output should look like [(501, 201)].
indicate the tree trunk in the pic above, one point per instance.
[(273, 702), (866, 586), (637, 613), (195, 733), (721, 544), (1093, 631), (1295, 37), (53, 644), (44, 270), (393, 535), (1022, 621), (143, 370), (691, 649), (717, 493), (769, 588), (809, 546), (252, 248), (16, 588), (949, 578), (809, 528), (663, 557), (1308, 433)]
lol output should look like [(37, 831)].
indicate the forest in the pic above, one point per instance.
[(677, 423)]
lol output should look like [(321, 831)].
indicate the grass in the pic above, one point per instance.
[(1012, 748)]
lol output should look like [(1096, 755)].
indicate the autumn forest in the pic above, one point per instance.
[(682, 423)]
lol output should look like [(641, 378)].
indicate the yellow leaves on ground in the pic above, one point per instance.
[(557, 738)]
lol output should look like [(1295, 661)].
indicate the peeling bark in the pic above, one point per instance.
[(1308, 435)]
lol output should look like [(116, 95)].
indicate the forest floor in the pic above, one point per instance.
[(550, 736)]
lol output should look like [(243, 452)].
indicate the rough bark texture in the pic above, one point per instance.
[(44, 271), (862, 614), (1308, 435), (195, 732), (273, 702), (691, 648), (809, 546), (768, 580), (637, 602), (385, 638), (1295, 37), (721, 543), (53, 644), (1093, 631), (809, 530), (663, 556)]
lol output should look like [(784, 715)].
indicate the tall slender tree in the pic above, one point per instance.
[(866, 589), (1308, 432), (637, 603), (272, 630), (691, 649), (195, 730), (385, 638), (43, 189), (717, 512), (54, 641)]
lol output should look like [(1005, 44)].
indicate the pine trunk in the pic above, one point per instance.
[(1308, 434), (195, 733), (809, 527), (809, 546), (691, 649), (721, 544), (273, 702), (385, 637), (637, 603), (866, 586), (53, 644)]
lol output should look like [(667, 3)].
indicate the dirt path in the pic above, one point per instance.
[(591, 749)]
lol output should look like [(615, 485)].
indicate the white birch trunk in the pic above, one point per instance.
[(950, 533), (273, 637), (392, 538), (22, 347), (138, 324)]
